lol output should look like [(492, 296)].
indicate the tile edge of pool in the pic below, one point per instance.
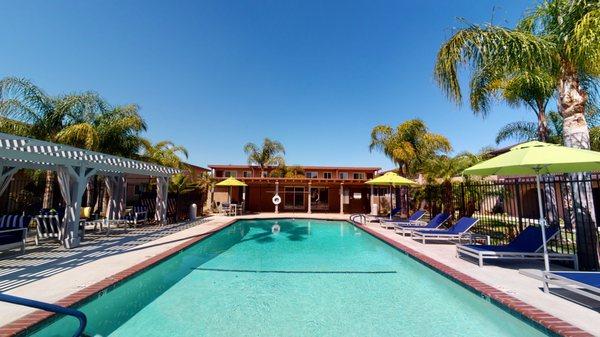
[(536, 317)]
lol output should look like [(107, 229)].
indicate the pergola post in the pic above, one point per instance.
[(243, 199), (309, 197), (342, 198), (372, 200), (162, 190), (72, 181)]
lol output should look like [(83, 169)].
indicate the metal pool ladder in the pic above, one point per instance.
[(48, 307), (362, 219)]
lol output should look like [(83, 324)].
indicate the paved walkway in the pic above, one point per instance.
[(49, 273)]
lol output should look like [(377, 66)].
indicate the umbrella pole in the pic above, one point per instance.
[(391, 207), (229, 196), (543, 227)]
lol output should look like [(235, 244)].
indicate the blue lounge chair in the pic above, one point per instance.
[(580, 282), (411, 221), (526, 246), (434, 223), (458, 231)]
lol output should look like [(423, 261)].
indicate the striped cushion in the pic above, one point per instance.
[(139, 209), (14, 221)]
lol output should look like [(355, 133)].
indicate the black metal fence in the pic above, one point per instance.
[(505, 207)]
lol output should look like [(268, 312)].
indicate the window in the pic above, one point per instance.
[(346, 196), (264, 174), (311, 175), (327, 175), (343, 175), (358, 175), (247, 174), (293, 198), (228, 174), (356, 195)]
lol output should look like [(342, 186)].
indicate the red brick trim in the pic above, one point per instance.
[(538, 316), (30, 320)]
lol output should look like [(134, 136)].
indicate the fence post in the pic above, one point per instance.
[(463, 204), (518, 196)]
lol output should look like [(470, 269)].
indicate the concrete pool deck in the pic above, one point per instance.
[(68, 275)]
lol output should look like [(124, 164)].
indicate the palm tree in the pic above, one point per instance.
[(284, 171), (562, 38), (559, 36), (531, 89), (29, 111), (165, 153), (269, 154), (112, 130), (522, 131), (443, 168), (409, 145)]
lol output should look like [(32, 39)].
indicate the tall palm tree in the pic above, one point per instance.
[(29, 111), (522, 131), (531, 89), (409, 145), (112, 130), (560, 37), (269, 154)]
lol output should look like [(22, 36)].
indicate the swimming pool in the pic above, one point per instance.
[(289, 277)]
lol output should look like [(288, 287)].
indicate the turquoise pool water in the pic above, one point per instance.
[(312, 278)]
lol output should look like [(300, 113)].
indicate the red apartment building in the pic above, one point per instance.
[(322, 189)]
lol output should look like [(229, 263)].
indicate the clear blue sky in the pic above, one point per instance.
[(315, 75)]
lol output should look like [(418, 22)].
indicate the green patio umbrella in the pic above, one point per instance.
[(537, 158), (231, 182), (391, 179)]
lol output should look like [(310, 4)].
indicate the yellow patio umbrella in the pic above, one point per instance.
[(391, 179), (537, 158), (231, 182)]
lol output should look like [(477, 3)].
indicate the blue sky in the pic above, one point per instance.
[(315, 75)]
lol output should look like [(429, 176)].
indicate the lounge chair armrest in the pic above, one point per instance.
[(13, 230)]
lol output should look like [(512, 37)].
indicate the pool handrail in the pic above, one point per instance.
[(48, 307)]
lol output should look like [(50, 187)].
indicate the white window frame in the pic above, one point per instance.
[(247, 172), (313, 174), (340, 175), (325, 175), (362, 174)]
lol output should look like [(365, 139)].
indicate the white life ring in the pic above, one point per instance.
[(276, 199)]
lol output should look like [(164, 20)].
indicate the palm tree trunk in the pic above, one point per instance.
[(48, 190), (542, 123), (572, 99)]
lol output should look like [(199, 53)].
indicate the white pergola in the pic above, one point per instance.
[(74, 167)]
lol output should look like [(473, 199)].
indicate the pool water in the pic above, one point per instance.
[(309, 278)]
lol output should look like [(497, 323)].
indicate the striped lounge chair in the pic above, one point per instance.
[(13, 232)]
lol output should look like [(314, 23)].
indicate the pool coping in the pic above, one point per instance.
[(32, 320), (546, 320)]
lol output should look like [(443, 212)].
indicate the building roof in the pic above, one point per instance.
[(196, 167), (22, 152), (305, 167)]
